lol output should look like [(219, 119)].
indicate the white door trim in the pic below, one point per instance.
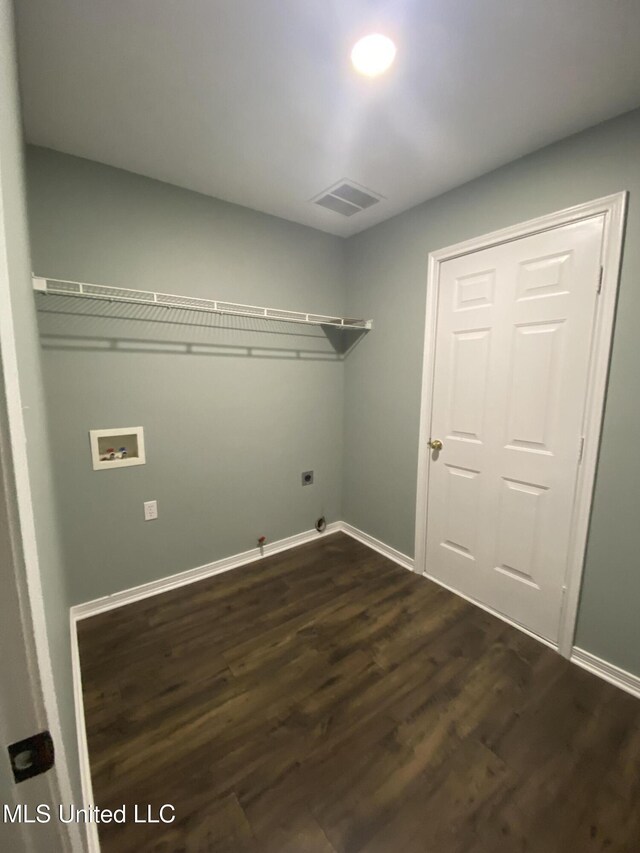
[(23, 566), (20, 554), (613, 208)]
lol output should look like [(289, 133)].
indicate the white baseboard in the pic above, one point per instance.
[(145, 590), (608, 671), (376, 545)]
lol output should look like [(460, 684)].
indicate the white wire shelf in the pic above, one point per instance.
[(83, 290)]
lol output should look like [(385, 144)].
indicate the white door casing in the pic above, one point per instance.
[(22, 713), (516, 353), (28, 701), (27, 698)]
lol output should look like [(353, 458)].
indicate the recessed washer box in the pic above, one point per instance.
[(117, 448)]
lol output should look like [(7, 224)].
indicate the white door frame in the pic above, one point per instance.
[(28, 706), (28, 694), (21, 574), (613, 208)]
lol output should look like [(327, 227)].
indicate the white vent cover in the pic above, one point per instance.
[(347, 198)]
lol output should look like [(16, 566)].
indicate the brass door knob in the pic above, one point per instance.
[(436, 444)]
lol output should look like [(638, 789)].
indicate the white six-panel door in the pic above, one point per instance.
[(513, 342)]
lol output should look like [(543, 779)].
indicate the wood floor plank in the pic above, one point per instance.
[(324, 700)]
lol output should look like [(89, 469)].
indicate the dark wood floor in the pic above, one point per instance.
[(327, 701)]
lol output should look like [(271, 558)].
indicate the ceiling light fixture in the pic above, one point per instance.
[(373, 54)]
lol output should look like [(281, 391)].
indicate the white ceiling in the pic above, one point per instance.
[(254, 101)]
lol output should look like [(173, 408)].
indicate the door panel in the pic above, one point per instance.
[(513, 340), (461, 502), (520, 507), (533, 389), (468, 387)]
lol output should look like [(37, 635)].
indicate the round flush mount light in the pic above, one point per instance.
[(373, 54)]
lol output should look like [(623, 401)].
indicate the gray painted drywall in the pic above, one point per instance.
[(233, 409), (386, 279), (211, 420), (29, 378)]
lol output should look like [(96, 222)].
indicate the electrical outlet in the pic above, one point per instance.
[(307, 478), (150, 510)]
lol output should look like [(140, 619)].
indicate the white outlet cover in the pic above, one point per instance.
[(150, 510)]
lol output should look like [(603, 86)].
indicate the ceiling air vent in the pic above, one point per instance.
[(346, 198)]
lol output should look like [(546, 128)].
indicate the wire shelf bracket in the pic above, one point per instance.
[(83, 290)]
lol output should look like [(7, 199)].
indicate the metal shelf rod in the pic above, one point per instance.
[(84, 290)]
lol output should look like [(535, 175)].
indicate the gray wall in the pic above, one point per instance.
[(386, 275), (255, 400), (233, 409), (29, 377)]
